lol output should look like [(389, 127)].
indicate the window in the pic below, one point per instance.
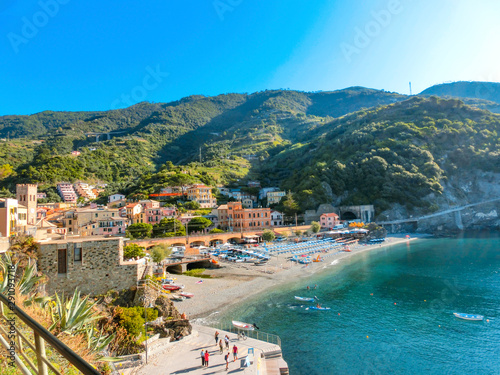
[(78, 254)]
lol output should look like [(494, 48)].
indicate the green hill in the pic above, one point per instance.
[(485, 95), (398, 153), (356, 145)]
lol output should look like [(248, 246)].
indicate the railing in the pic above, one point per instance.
[(255, 334), (40, 337), (153, 286)]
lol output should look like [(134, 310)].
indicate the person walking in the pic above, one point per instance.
[(226, 339), (235, 353), (226, 358), (202, 358), (216, 337), (221, 348), (207, 356)]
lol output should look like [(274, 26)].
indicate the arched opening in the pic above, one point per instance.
[(348, 215), (175, 269), (179, 244), (195, 265), (197, 243), (216, 241), (234, 240)]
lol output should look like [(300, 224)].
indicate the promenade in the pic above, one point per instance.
[(183, 357)]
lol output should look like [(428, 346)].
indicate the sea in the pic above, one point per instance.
[(391, 311)]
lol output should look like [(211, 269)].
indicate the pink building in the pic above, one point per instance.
[(67, 192), (154, 215), (112, 226), (329, 220), (149, 203)]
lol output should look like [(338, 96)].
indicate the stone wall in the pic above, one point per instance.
[(101, 267)]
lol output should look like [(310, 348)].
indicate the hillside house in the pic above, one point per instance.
[(329, 220)]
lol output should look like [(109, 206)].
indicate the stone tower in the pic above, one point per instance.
[(26, 195)]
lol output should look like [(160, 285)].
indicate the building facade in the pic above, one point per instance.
[(329, 220), (85, 190), (10, 222), (115, 197), (93, 266), (67, 192), (201, 194), (135, 213), (274, 197), (276, 218), (240, 218), (26, 195)]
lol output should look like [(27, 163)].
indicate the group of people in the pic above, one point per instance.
[(205, 356)]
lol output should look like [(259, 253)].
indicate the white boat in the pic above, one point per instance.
[(186, 294), (468, 316), (305, 299), (243, 326)]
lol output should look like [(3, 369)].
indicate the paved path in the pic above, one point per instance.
[(445, 212), (183, 357)]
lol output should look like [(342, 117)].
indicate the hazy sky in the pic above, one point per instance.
[(98, 55)]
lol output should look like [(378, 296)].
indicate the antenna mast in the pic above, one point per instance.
[(410, 89)]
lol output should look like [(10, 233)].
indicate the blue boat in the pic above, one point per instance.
[(319, 308), (468, 316)]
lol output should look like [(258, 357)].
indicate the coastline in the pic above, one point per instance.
[(235, 282)]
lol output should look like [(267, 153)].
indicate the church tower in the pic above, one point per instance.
[(26, 195)]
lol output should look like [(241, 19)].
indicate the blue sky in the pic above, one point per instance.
[(97, 55)]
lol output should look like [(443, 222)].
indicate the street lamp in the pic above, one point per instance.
[(146, 301)]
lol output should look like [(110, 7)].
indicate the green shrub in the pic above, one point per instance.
[(133, 250), (131, 319), (197, 272)]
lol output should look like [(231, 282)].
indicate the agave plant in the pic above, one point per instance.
[(73, 315), (96, 340), (27, 282)]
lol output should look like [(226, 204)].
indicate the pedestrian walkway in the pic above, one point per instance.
[(183, 357)]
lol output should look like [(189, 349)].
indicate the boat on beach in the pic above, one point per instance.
[(468, 316), (305, 299), (243, 326), (174, 297), (171, 287), (186, 294)]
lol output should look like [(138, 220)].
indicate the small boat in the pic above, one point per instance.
[(186, 294), (468, 316), (305, 299), (171, 287), (173, 297), (243, 326), (319, 308)]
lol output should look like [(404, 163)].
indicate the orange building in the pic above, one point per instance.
[(247, 218)]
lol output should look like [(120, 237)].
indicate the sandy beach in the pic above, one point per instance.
[(234, 282)]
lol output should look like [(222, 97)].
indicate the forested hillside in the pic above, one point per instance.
[(355, 145)]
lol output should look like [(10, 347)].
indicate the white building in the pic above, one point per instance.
[(115, 197), (276, 218)]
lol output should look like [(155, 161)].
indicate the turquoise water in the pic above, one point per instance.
[(407, 326)]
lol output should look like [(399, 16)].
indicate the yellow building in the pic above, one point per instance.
[(13, 217), (201, 194), (274, 197)]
